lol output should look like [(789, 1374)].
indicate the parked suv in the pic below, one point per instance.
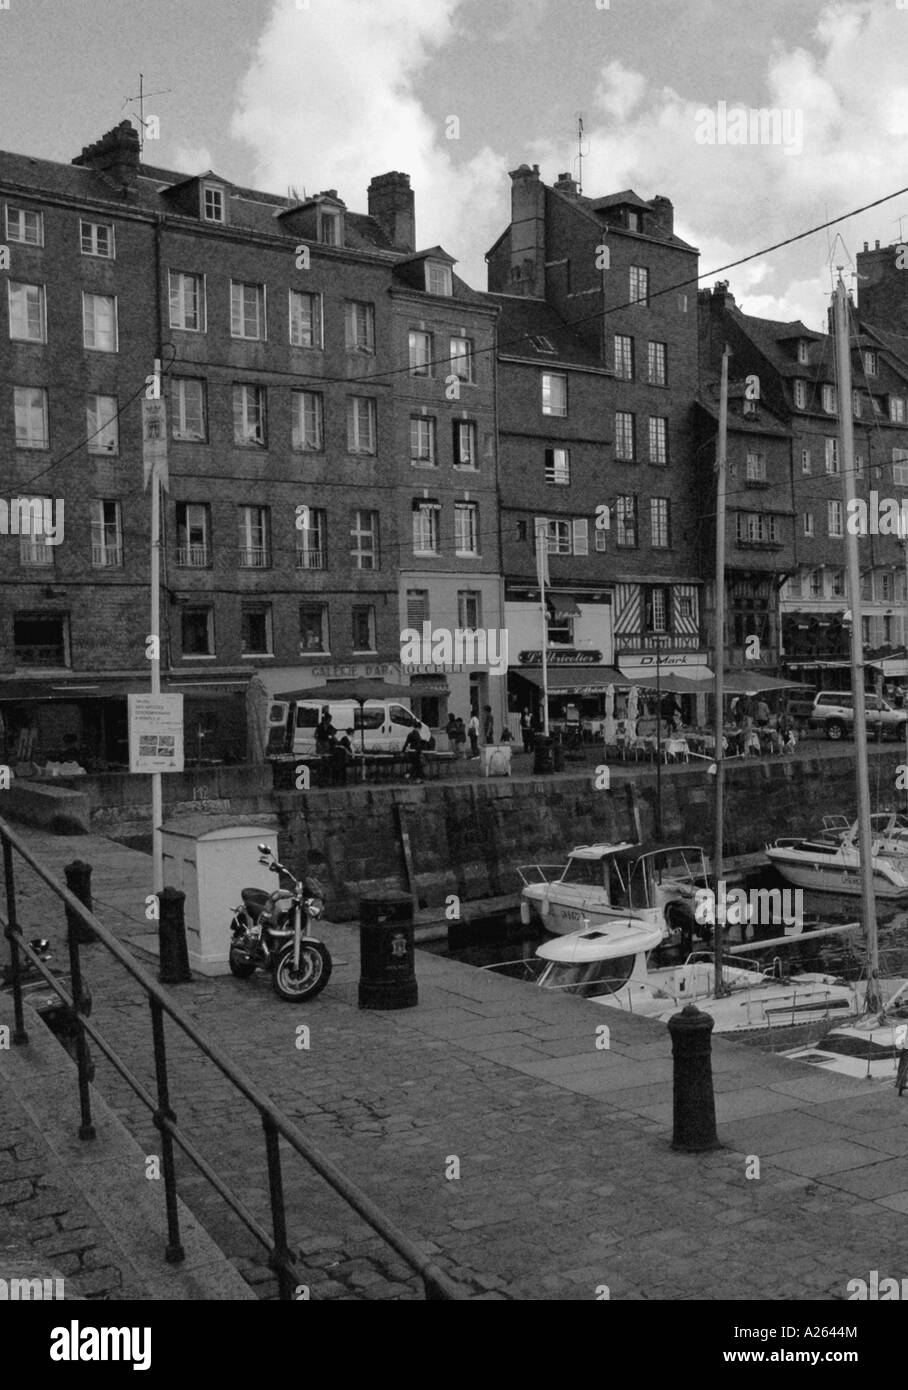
[(833, 711)]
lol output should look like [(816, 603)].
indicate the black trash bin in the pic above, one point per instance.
[(387, 964), (558, 755), (542, 754)]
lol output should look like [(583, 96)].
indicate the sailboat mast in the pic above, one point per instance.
[(719, 806), (862, 770)]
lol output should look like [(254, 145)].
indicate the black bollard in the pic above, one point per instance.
[(387, 955), (173, 966), (695, 1106), (78, 881)]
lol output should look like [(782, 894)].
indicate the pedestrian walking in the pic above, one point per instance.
[(473, 732), (526, 730), (451, 731), (488, 725), (413, 754)]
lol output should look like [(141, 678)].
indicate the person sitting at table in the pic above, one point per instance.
[(346, 741), (339, 756), (325, 732), (761, 714), (413, 754)]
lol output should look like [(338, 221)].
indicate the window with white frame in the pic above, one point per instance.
[(829, 399), (832, 455), (213, 205), (626, 520), (438, 278), (193, 530), (362, 627), (312, 541), (464, 443), (422, 441), (887, 586), (99, 322), (558, 466), (247, 310), (306, 319), (313, 627), (757, 528), (656, 600), (658, 439), (307, 420), (462, 358), (364, 535), (24, 226), (187, 301), (426, 528), (558, 537), (815, 584), (421, 353), (805, 461), (801, 394), (97, 239), (900, 467), (249, 423), (808, 524), (359, 326), (188, 413), (897, 409), (197, 630), (639, 284), (27, 312), (469, 609), (554, 394), (624, 436), (255, 629), (856, 403), (871, 362), (660, 522), (330, 227), (755, 467), (657, 363), (834, 517), (858, 464), (106, 534), (624, 357), (254, 544), (360, 425), (803, 350), (837, 583), (466, 528), (33, 547), (102, 427), (30, 413)]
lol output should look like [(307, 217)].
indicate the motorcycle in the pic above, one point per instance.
[(270, 931)]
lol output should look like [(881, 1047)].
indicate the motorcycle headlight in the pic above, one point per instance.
[(315, 907)]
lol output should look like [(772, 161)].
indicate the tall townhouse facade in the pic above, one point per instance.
[(278, 326), (597, 378)]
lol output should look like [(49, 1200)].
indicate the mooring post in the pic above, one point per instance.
[(694, 1101)]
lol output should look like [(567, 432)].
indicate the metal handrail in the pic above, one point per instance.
[(438, 1285)]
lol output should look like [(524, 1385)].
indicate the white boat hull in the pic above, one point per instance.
[(833, 876)]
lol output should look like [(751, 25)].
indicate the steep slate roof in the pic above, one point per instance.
[(765, 422), (522, 317)]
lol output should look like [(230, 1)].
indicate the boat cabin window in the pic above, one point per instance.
[(588, 978), (599, 873)]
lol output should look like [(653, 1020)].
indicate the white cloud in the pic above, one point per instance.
[(192, 159)]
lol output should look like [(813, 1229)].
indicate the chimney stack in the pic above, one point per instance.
[(565, 184), (392, 204), (663, 215), (116, 155), (527, 232)]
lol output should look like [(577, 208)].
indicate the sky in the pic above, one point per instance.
[(327, 93)]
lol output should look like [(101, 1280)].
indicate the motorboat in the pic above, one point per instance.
[(830, 861), (870, 1048), (610, 965)]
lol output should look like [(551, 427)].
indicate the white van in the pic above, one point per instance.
[(382, 725)]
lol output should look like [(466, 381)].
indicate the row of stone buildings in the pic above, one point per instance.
[(361, 444)]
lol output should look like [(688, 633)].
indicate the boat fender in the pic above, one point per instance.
[(544, 907)]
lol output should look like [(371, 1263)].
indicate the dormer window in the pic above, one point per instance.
[(801, 394), (438, 278), (803, 350), (213, 205), (329, 227), (633, 221), (830, 405)]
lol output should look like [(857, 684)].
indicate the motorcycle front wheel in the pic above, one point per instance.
[(309, 980)]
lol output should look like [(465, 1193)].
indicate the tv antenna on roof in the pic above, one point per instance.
[(581, 152), (900, 220), (143, 124)]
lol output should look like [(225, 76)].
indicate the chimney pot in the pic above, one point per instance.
[(392, 204)]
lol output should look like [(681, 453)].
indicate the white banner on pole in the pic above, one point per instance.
[(155, 733)]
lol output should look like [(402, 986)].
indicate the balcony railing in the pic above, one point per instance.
[(254, 558), (193, 556), (106, 556), (36, 553), (311, 559)]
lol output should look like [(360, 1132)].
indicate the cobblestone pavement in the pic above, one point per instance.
[(489, 1125)]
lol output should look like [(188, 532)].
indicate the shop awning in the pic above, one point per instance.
[(755, 683), (573, 680)]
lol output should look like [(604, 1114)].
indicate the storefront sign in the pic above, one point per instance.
[(561, 656), (155, 733), (352, 670), (646, 663)]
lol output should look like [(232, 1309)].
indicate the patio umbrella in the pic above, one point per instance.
[(359, 691), (608, 730), (633, 704)]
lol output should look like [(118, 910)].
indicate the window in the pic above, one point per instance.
[(247, 310), (464, 444), (900, 467), (462, 358), (828, 395), (558, 537), (554, 394), (657, 363), (96, 239), (867, 586), (307, 420), (213, 209), (30, 411), (755, 528), (626, 520), (633, 221), (420, 353), (359, 326), (808, 524), (858, 464), (99, 322), (658, 439), (417, 608), (837, 583), (106, 535), (897, 409), (888, 629), (313, 627), (805, 461), (40, 639), (624, 357), (803, 351), (466, 528), (306, 320), (755, 467), (558, 466), (624, 436), (188, 415), (249, 416), (887, 586), (856, 403), (469, 609), (801, 394), (33, 548), (656, 599), (422, 440), (254, 538), (360, 425), (871, 362), (425, 527), (815, 583), (27, 316), (639, 285), (362, 622), (312, 541), (187, 302), (834, 516), (364, 535), (865, 631), (197, 625), (438, 278), (659, 523), (329, 227), (832, 455), (25, 226), (101, 425), (255, 629), (192, 535)]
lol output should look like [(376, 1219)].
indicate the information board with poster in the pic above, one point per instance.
[(155, 733)]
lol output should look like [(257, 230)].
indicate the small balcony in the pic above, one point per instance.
[(254, 558), (106, 556), (193, 556), (311, 559)]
